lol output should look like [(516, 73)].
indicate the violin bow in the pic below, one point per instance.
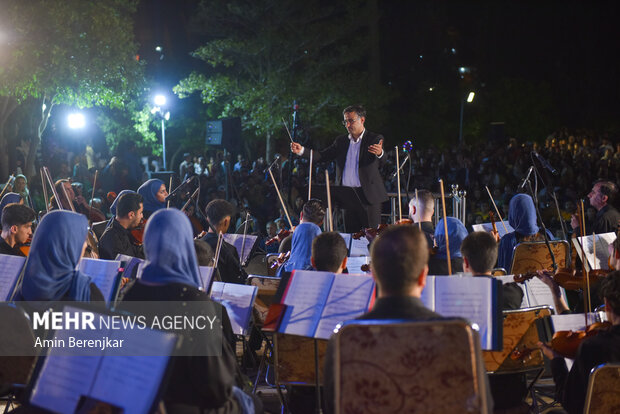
[(310, 177), (417, 204), (245, 232), (496, 209), (47, 206), (48, 177), (169, 189), (587, 303), (6, 186), (218, 249), (64, 191), (90, 203), (329, 201), (281, 200), (400, 202), (445, 226)]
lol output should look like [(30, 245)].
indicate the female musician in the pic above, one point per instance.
[(154, 195), (600, 349), (457, 232), (522, 218), (171, 274), (21, 186), (79, 202), (56, 249)]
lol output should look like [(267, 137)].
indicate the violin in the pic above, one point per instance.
[(137, 233), (25, 248), (566, 343), (567, 278), (280, 260), (282, 234), (495, 233)]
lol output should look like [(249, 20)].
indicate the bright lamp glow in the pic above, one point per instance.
[(160, 100), (167, 115), (470, 98), (76, 120)]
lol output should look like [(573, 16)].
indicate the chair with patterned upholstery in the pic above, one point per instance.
[(532, 256), (405, 367), (267, 288), (603, 395)]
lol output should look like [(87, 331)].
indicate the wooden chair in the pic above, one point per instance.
[(267, 288), (294, 359), (603, 395), (532, 256), (405, 367), (499, 271)]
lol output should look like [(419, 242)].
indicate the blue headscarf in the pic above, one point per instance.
[(9, 198), (522, 215), (118, 197), (456, 232), (51, 269), (301, 246), (148, 191), (169, 250)]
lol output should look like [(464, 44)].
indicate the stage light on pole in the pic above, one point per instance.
[(76, 120), (160, 100), (470, 97)]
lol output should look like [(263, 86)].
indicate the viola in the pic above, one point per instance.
[(282, 234)]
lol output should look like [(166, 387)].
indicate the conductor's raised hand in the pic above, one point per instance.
[(296, 148), (376, 149)]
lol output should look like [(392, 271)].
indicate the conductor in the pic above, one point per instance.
[(357, 156)]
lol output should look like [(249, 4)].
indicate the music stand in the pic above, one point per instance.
[(345, 198)]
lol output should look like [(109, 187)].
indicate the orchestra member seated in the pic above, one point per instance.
[(117, 236), (154, 195), (602, 348), (311, 217), (219, 213), (16, 228), (79, 202), (522, 218), (438, 264), (329, 252), (602, 198), (422, 212), (479, 250), (399, 257), (51, 270), (198, 383)]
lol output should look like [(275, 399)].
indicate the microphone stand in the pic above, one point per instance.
[(535, 198)]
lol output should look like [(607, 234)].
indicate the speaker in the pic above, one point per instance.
[(225, 132)]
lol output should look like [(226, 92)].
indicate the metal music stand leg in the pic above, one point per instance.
[(318, 409)]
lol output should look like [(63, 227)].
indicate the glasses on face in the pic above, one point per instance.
[(349, 121)]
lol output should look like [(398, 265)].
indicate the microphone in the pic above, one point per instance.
[(182, 185), (402, 164), (545, 163), (527, 178)]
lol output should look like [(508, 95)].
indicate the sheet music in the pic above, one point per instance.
[(354, 264), (305, 296), (238, 300), (525, 303), (132, 382), (359, 247), (206, 274), (572, 322), (348, 298), (130, 265), (103, 273), (216, 291), (10, 268), (467, 297), (488, 227), (602, 241), (428, 294), (539, 294), (347, 240), (237, 241)]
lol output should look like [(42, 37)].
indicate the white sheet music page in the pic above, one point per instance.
[(428, 294), (103, 273), (238, 300), (354, 264), (488, 227), (10, 268), (359, 247), (237, 241), (347, 240), (539, 294), (206, 274), (132, 382), (305, 297), (467, 297), (348, 298), (216, 291), (602, 241), (572, 322)]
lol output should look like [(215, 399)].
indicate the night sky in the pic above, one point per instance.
[(572, 46)]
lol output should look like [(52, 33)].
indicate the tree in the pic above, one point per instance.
[(262, 56), (73, 52)]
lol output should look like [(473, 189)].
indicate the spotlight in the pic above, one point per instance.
[(76, 120)]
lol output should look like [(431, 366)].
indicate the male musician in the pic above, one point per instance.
[(600, 349), (421, 211), (357, 155), (329, 252), (602, 197), (219, 213), (117, 237), (16, 228), (479, 250), (79, 202)]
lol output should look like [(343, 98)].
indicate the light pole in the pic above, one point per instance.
[(160, 101), (469, 99)]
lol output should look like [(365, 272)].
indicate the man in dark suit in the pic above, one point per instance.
[(357, 155)]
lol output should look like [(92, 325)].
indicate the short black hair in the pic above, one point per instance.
[(217, 210), (358, 109), (398, 256), (328, 251), (127, 203), (313, 211), (15, 214), (480, 249), (610, 290), (204, 252)]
